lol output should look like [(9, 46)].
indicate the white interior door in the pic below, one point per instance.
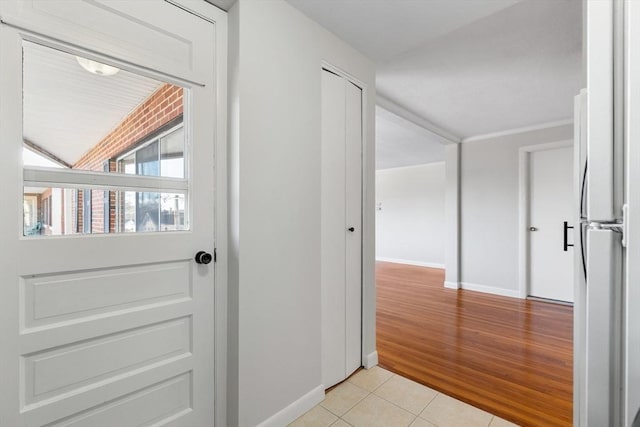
[(551, 205), (353, 245), (341, 228), (105, 318)]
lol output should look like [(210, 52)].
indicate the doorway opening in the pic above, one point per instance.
[(491, 325)]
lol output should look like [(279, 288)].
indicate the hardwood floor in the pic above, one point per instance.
[(510, 357)]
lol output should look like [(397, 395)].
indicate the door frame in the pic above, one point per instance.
[(524, 206), (369, 354), (218, 17)]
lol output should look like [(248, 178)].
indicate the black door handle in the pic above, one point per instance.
[(203, 257), (566, 235), (351, 229)]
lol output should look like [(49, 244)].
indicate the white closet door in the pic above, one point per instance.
[(341, 211), (333, 229), (353, 202)]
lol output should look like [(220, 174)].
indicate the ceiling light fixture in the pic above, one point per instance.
[(97, 67)]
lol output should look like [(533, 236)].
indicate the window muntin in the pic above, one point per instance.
[(66, 211)]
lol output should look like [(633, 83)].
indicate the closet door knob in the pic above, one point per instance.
[(351, 229)]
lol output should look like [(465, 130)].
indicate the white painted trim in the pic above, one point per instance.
[(397, 113), (453, 233), (409, 262), (296, 409), (411, 166), (197, 8), (221, 266), (524, 200), (517, 130), (513, 293), (548, 146), (36, 176), (219, 18), (452, 285), (370, 360)]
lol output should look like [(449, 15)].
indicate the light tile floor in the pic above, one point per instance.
[(379, 398)]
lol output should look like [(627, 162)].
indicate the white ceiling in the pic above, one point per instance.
[(519, 67), (383, 29), (67, 110), (470, 67), (402, 143)]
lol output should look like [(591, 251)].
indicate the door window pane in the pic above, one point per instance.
[(80, 115), (82, 119), (146, 211), (63, 211)]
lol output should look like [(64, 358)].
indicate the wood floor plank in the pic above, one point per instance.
[(510, 357)]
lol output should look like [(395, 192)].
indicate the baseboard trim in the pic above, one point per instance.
[(409, 262), (296, 409), (370, 360), (452, 285), (513, 293)]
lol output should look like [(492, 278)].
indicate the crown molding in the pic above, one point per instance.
[(518, 130), (415, 121)]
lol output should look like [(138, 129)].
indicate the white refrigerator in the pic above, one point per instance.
[(607, 156)]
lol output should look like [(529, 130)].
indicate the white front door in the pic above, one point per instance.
[(551, 206), (106, 319)]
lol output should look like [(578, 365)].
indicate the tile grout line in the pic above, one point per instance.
[(348, 380), (414, 416), (406, 410), (351, 407), (422, 410), (392, 403)]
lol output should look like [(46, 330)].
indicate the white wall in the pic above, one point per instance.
[(489, 208), (276, 56), (410, 227)]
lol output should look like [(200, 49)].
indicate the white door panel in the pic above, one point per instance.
[(353, 201), (551, 202), (341, 228), (90, 25), (116, 329), (333, 228)]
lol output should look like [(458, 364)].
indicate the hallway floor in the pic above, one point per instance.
[(508, 356), (379, 398)]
